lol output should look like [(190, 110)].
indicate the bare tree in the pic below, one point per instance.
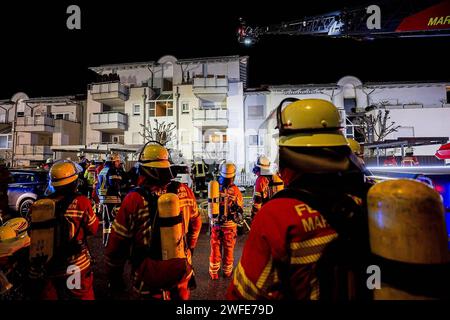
[(161, 132), (374, 127)]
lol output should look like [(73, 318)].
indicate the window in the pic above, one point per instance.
[(152, 109), (350, 105), (448, 94), (185, 107), (119, 139), (254, 140), (136, 110), (23, 178), (169, 110), (255, 112), (5, 141), (20, 114), (61, 116)]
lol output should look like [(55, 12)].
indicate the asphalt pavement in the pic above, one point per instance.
[(206, 289)]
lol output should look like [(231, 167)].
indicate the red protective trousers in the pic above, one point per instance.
[(222, 238), (57, 289)]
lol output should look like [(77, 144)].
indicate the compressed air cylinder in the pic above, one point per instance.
[(407, 230), (171, 226), (213, 199), (277, 184)]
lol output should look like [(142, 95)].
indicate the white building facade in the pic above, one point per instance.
[(31, 127), (202, 97), (420, 109)]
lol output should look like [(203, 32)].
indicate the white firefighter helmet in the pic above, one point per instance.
[(409, 150), (49, 161), (264, 164), (228, 170)]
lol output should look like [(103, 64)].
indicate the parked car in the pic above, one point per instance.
[(27, 186)]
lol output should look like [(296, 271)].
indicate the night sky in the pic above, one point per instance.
[(41, 57)]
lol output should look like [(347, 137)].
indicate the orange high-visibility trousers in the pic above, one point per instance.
[(222, 238)]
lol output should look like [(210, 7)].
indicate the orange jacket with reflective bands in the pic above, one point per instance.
[(281, 253), (261, 193)]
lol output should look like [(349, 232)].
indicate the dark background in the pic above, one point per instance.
[(41, 57)]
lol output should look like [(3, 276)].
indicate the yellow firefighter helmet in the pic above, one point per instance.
[(228, 170), (310, 123), (19, 225), (7, 233), (154, 156), (64, 172), (354, 146)]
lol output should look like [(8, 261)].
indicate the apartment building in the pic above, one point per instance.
[(32, 127), (202, 97), (420, 109)]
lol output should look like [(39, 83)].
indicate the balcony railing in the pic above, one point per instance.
[(43, 123), (210, 114), (109, 121), (112, 93), (35, 151), (210, 118), (211, 81)]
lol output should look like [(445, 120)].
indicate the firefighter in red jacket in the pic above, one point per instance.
[(137, 233), (410, 159), (266, 184), (224, 227), (290, 232), (59, 252)]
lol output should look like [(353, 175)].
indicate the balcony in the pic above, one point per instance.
[(111, 93), (39, 153), (211, 88), (41, 123), (210, 118), (109, 122), (210, 150)]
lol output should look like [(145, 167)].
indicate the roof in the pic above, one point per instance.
[(123, 66), (407, 142), (212, 59), (406, 84)]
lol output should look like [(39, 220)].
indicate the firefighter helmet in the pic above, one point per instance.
[(7, 233), (49, 161), (228, 170), (263, 162), (64, 172), (19, 225), (154, 163), (354, 146), (262, 166), (154, 156), (309, 123)]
